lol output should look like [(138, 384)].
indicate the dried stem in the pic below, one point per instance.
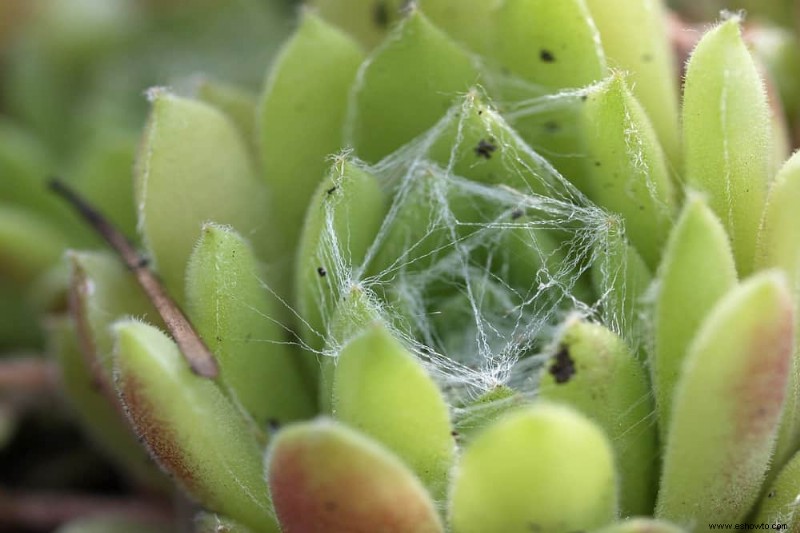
[(200, 358)]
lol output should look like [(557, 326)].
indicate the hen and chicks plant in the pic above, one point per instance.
[(462, 266)]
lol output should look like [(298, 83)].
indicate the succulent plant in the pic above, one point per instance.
[(461, 266)]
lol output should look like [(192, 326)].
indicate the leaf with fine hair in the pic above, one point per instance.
[(191, 427)]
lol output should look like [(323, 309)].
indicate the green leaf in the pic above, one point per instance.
[(325, 477), (103, 290), (300, 120), (542, 48), (355, 311), (474, 141), (634, 37), (621, 280), (552, 44), (479, 414), (405, 86), (382, 390), (366, 20), (100, 417), (779, 501), (193, 167), (593, 371), (343, 218), (238, 104), (470, 23), (190, 427), (626, 169), (779, 247), (727, 405), (520, 474), (697, 270), (234, 313), (727, 150)]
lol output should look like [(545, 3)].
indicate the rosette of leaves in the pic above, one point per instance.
[(465, 266)]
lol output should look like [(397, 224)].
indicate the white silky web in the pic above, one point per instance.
[(484, 250)]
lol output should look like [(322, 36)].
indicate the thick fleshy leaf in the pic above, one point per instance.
[(190, 427), (238, 104), (779, 502), (778, 244), (366, 20), (543, 468), (621, 279), (300, 119), (383, 391), (727, 405), (102, 291), (593, 371), (406, 86), (193, 167), (325, 477), (727, 152), (470, 23), (542, 48), (477, 415), (103, 421), (779, 247), (552, 44), (345, 214), (355, 311), (697, 270), (634, 37), (626, 169), (232, 310), (475, 142)]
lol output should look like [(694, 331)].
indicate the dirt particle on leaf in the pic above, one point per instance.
[(546, 56), (551, 126), (322, 272), (771, 494), (517, 213), (380, 14), (563, 367), (485, 148)]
